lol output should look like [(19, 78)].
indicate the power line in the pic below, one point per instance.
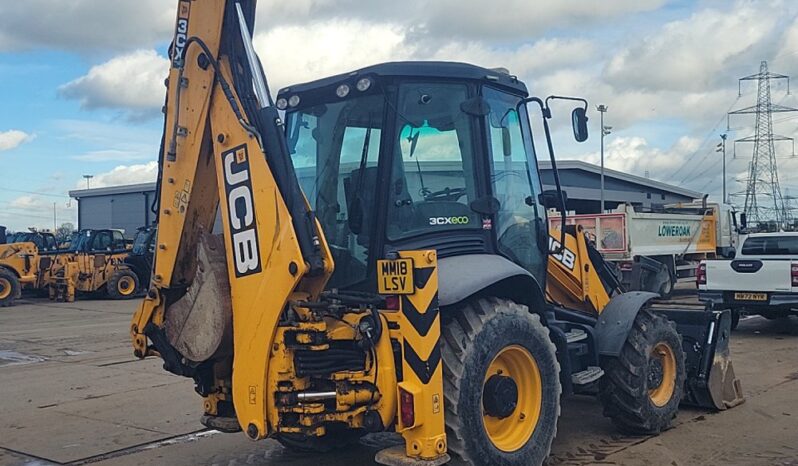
[(35, 192)]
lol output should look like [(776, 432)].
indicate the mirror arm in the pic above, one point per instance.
[(559, 97)]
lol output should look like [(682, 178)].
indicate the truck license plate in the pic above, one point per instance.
[(395, 276), (751, 296)]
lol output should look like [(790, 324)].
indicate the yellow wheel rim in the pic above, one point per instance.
[(5, 288), (512, 427), (661, 374), (126, 286)]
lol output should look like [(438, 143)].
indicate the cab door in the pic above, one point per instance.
[(520, 222)]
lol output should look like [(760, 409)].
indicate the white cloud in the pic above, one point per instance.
[(634, 155), (82, 25), (323, 49), (133, 82), (13, 138), (37, 211), (122, 175), (111, 155), (690, 54)]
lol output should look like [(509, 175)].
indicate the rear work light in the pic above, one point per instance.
[(794, 274), (407, 408), (701, 275)]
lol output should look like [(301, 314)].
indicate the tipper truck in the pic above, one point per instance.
[(653, 250)]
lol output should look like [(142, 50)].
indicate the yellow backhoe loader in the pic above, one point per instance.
[(385, 264)]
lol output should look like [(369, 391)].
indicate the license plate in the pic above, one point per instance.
[(751, 296), (395, 276)]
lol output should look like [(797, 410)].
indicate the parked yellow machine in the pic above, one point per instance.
[(96, 262), (385, 264), (25, 264)]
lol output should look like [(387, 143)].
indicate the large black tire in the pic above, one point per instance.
[(335, 439), (626, 387), (9, 288), (124, 284), (735, 318), (472, 338)]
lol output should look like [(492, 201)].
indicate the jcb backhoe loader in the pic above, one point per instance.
[(383, 265)]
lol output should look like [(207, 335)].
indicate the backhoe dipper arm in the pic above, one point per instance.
[(224, 147)]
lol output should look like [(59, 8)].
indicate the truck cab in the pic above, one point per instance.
[(761, 279)]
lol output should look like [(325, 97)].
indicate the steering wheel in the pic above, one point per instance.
[(446, 194)]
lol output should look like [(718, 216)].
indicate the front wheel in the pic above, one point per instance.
[(643, 386), (9, 288), (123, 284), (501, 384)]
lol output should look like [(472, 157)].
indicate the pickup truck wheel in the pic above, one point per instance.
[(9, 288), (501, 384), (643, 386), (735, 315)]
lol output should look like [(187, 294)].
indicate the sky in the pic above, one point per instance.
[(83, 79)]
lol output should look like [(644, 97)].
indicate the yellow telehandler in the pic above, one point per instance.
[(25, 264), (385, 264)]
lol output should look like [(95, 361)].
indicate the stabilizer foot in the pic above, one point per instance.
[(395, 456)]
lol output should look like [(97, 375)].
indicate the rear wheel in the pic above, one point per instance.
[(123, 284), (9, 287), (643, 386), (501, 384), (735, 315)]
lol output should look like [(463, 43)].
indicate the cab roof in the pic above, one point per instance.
[(420, 69)]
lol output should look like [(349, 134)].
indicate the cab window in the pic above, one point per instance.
[(432, 177)]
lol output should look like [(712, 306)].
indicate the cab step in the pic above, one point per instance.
[(575, 334), (589, 375)]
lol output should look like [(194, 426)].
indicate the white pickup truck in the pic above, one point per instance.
[(761, 279)]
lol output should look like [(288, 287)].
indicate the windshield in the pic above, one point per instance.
[(335, 148), (81, 241), (142, 242), (434, 150), (770, 246)]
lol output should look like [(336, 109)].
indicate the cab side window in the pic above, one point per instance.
[(118, 241), (102, 242)]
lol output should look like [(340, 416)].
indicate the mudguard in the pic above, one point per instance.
[(616, 320), (458, 280)]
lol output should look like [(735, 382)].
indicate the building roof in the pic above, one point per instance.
[(589, 167), (543, 164), (125, 189)]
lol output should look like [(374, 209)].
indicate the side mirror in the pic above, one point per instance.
[(579, 123), (507, 142), (743, 220)]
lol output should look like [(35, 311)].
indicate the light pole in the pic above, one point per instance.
[(722, 148), (88, 180), (605, 130)]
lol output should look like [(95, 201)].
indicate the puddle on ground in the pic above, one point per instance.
[(12, 358)]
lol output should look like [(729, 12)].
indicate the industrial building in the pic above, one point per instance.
[(128, 207)]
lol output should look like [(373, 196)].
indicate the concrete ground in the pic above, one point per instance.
[(72, 393)]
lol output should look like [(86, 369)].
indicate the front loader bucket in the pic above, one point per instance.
[(711, 382)]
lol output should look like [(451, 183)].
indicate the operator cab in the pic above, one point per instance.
[(418, 155)]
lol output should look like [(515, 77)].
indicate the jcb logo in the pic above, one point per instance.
[(566, 257), (241, 212), (449, 220)]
